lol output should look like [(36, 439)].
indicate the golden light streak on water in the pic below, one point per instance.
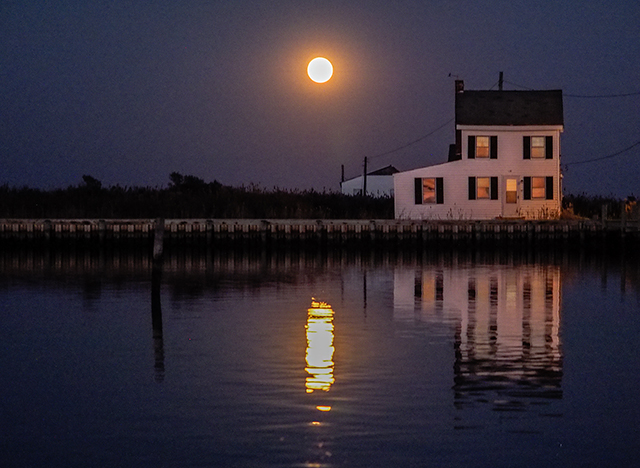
[(320, 349)]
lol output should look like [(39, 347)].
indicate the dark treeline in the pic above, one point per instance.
[(589, 206), (191, 197), (186, 197)]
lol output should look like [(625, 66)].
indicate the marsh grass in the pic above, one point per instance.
[(187, 197)]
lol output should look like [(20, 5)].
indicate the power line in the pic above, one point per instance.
[(414, 141), (519, 86), (592, 96), (601, 95), (605, 157)]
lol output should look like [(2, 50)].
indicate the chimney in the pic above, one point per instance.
[(456, 152)]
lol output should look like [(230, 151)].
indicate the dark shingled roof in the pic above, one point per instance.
[(389, 170), (509, 108)]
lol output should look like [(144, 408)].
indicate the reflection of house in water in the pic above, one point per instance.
[(507, 321), (319, 347)]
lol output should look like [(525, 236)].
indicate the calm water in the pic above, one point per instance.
[(225, 360)]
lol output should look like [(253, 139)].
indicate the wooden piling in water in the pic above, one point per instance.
[(158, 240)]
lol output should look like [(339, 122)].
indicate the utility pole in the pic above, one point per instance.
[(364, 184), (500, 80)]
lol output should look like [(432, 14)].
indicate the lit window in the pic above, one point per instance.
[(538, 147), (483, 187), (538, 185), (482, 147), (429, 190), (511, 192), (485, 147), (537, 188)]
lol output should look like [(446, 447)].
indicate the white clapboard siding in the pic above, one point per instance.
[(509, 163)]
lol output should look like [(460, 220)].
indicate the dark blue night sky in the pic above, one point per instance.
[(130, 91)]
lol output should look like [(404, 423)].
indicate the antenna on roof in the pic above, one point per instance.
[(500, 81)]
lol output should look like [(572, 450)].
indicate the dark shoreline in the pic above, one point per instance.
[(307, 233)]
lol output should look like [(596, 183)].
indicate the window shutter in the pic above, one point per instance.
[(526, 147), (471, 147), (548, 146), (439, 190), (549, 188), (472, 188), (418, 190), (527, 188), (493, 147), (494, 188)]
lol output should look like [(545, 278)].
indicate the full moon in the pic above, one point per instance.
[(320, 70)]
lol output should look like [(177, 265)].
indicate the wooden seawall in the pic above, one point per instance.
[(275, 231)]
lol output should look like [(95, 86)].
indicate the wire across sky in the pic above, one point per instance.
[(593, 96)]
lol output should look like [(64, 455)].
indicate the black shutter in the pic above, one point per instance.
[(418, 190), (493, 147), (471, 147), (527, 188), (439, 190), (526, 147), (494, 188), (472, 188), (548, 147), (549, 188)]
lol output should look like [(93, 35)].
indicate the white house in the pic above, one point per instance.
[(379, 183), (505, 162)]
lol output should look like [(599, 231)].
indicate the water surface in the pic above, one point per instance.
[(413, 359)]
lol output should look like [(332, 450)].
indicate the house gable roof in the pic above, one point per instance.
[(509, 108), (388, 170), (385, 171)]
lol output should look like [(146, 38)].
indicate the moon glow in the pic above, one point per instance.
[(320, 70)]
